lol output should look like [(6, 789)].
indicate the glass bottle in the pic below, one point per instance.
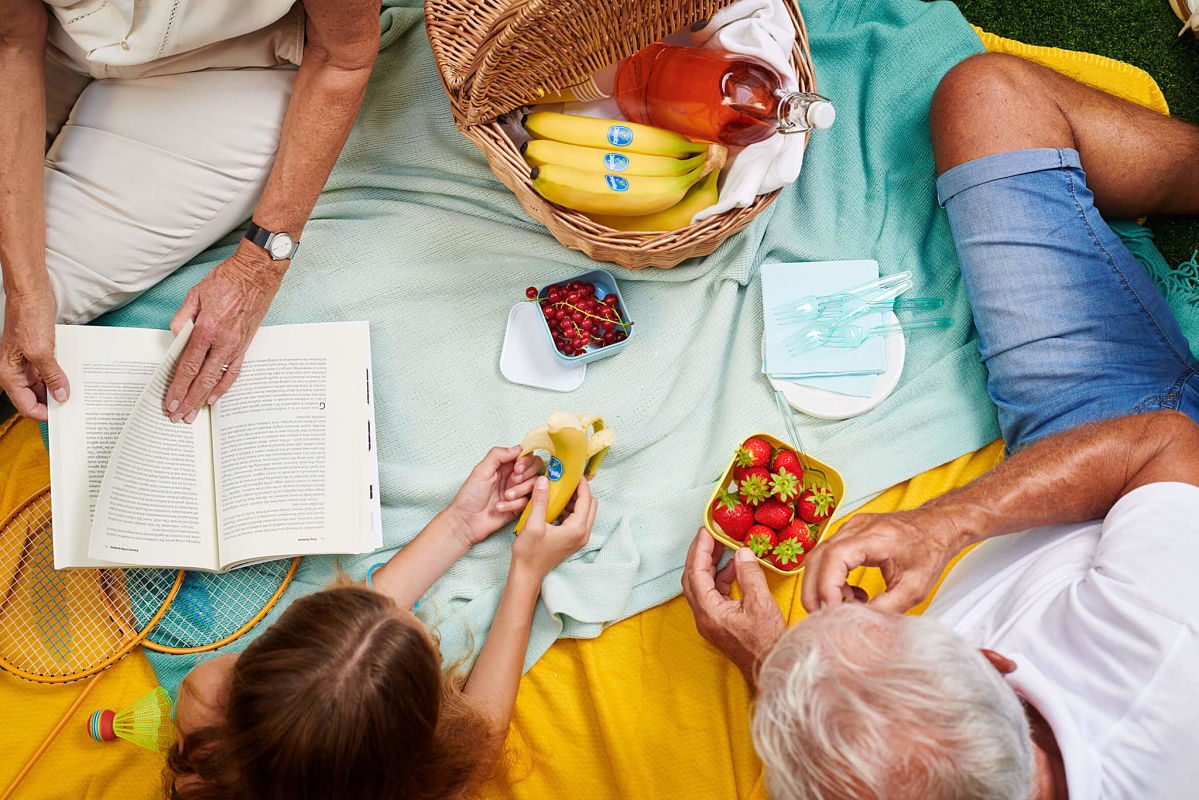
[(712, 95)]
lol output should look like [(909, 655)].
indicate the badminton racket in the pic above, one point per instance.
[(58, 626), (213, 609)]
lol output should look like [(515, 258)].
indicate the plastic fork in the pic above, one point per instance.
[(845, 309), (810, 307), (850, 336)]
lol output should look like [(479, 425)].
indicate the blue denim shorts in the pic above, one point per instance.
[(1071, 328)]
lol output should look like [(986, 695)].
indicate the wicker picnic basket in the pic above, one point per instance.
[(497, 55)]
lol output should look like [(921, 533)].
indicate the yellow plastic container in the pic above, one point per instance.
[(831, 480)]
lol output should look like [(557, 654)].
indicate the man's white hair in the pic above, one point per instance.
[(854, 703)]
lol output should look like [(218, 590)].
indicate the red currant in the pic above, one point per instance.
[(531, 293), (587, 324), (610, 300), (609, 337)]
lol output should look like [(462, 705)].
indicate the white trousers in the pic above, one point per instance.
[(142, 174)]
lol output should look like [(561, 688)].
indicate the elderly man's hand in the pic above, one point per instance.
[(228, 305), (912, 548), (745, 630)]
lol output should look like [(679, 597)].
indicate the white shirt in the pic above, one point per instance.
[(135, 38), (1102, 619)]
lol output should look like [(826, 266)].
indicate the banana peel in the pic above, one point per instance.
[(594, 192), (573, 454), (698, 197)]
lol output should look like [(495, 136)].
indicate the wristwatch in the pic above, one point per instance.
[(280, 246)]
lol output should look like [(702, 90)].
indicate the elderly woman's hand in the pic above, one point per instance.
[(228, 306), (28, 369), (745, 630), (911, 548)]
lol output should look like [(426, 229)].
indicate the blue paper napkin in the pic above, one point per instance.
[(848, 371)]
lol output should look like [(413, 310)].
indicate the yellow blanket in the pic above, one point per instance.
[(646, 710)]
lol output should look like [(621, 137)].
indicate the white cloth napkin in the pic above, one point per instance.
[(764, 29)]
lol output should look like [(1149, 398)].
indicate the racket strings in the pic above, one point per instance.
[(212, 609), (62, 625)]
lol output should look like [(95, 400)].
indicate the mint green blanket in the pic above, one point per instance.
[(414, 234)]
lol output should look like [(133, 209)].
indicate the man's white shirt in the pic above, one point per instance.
[(1102, 619)]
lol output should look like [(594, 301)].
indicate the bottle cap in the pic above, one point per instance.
[(821, 115)]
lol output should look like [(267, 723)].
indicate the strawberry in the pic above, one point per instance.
[(733, 516), (815, 505), (799, 531), (761, 540), (788, 554), (773, 514), (785, 485), (754, 452), (754, 487), (788, 459)]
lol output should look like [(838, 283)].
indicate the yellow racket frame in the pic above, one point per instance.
[(133, 638)]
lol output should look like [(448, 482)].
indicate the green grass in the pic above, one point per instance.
[(1140, 32)]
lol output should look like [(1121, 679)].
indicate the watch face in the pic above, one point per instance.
[(281, 245)]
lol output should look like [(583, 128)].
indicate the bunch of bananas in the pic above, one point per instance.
[(627, 176)]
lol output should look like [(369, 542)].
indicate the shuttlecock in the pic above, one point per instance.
[(146, 723)]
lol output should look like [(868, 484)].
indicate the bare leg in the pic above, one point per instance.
[(1138, 162)]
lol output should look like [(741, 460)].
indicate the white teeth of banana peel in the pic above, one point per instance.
[(571, 452), (610, 133), (600, 440)]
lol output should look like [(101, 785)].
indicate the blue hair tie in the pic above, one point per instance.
[(370, 581)]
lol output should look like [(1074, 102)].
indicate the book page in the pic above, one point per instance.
[(291, 446), (108, 368), (155, 506)]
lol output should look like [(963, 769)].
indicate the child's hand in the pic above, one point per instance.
[(494, 492), (540, 546)]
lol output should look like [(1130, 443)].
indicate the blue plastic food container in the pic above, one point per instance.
[(605, 285)]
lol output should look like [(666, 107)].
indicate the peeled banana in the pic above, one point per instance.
[(609, 133), (698, 197), (539, 152), (572, 454)]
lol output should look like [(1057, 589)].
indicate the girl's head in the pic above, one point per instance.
[(343, 697)]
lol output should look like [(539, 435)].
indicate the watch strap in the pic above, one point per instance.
[(257, 235)]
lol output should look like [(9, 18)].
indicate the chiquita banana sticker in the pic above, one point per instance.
[(573, 453)]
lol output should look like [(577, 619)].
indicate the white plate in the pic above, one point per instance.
[(528, 357), (832, 405)]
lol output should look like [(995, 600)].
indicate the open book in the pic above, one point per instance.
[(283, 464)]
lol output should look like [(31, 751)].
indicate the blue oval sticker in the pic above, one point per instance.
[(620, 136), (616, 162), (554, 470), (617, 183)]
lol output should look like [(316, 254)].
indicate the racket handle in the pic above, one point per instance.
[(91, 684)]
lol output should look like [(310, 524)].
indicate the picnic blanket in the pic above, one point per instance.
[(642, 711)]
